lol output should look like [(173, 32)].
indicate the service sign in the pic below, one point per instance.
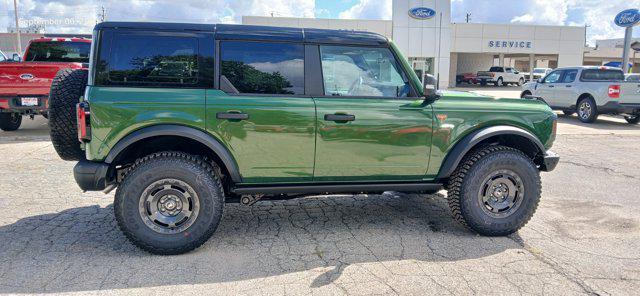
[(628, 18), (422, 13)]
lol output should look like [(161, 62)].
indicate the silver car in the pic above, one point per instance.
[(588, 91)]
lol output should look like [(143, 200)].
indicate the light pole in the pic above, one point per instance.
[(19, 46)]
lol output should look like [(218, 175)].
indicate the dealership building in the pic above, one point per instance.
[(435, 45)]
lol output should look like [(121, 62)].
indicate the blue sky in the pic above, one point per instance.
[(79, 16)]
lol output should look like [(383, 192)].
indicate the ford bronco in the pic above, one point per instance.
[(182, 118)]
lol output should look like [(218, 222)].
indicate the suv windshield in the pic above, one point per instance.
[(73, 52)]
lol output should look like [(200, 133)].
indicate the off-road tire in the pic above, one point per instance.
[(632, 119), (593, 115), (66, 89), (192, 170), (10, 121), (466, 181)]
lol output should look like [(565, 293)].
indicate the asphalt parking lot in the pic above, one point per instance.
[(584, 238)]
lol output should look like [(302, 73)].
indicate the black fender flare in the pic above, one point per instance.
[(453, 158), (181, 131)]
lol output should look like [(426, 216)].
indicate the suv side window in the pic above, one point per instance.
[(569, 76), (362, 71), (262, 67), (153, 60), (553, 77)]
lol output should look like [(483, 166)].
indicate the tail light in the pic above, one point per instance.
[(614, 91), (84, 127)]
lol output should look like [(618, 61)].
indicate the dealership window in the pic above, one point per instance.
[(154, 60), (362, 71), (262, 68)]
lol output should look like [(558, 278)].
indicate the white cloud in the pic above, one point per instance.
[(79, 16), (369, 9)]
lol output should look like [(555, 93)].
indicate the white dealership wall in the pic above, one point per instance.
[(450, 45)]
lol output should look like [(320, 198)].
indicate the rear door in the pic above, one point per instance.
[(371, 124), (261, 112)]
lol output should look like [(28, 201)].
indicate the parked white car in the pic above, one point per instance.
[(589, 91), (500, 76), (540, 73)]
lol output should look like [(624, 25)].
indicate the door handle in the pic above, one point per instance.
[(232, 115), (339, 117)]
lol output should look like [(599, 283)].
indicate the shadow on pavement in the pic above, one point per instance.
[(614, 123), (81, 249)]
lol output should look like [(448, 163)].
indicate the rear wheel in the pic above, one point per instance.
[(587, 110), (10, 121), (632, 119), (495, 190), (66, 89), (169, 203)]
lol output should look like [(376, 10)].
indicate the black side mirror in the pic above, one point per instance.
[(430, 86), (16, 57)]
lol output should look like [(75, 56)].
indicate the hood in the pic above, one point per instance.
[(481, 102)]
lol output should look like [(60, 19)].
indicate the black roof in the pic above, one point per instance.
[(263, 33)]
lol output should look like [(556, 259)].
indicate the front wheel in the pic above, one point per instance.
[(520, 81), (10, 121), (499, 82), (494, 191), (587, 110), (632, 119), (169, 203)]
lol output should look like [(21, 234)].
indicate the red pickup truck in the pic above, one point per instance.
[(24, 86)]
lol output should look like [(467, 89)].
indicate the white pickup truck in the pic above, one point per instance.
[(588, 91), (500, 76)]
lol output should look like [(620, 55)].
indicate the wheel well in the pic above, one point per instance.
[(155, 144), (518, 142), (582, 96), (525, 93)]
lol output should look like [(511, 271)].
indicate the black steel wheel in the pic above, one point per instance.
[(169, 203), (495, 190)]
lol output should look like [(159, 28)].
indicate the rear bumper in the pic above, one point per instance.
[(617, 108), (91, 176), (14, 104), (549, 161)]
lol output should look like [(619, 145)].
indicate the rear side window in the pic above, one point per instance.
[(58, 51), (153, 60), (262, 68), (602, 75), (569, 76)]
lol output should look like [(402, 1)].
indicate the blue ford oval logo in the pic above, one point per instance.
[(27, 76), (628, 18), (422, 13)]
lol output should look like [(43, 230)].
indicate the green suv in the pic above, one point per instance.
[(182, 118)]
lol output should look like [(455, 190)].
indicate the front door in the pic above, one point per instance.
[(261, 113), (548, 89), (369, 125)]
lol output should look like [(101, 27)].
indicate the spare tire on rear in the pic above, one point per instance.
[(66, 89)]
